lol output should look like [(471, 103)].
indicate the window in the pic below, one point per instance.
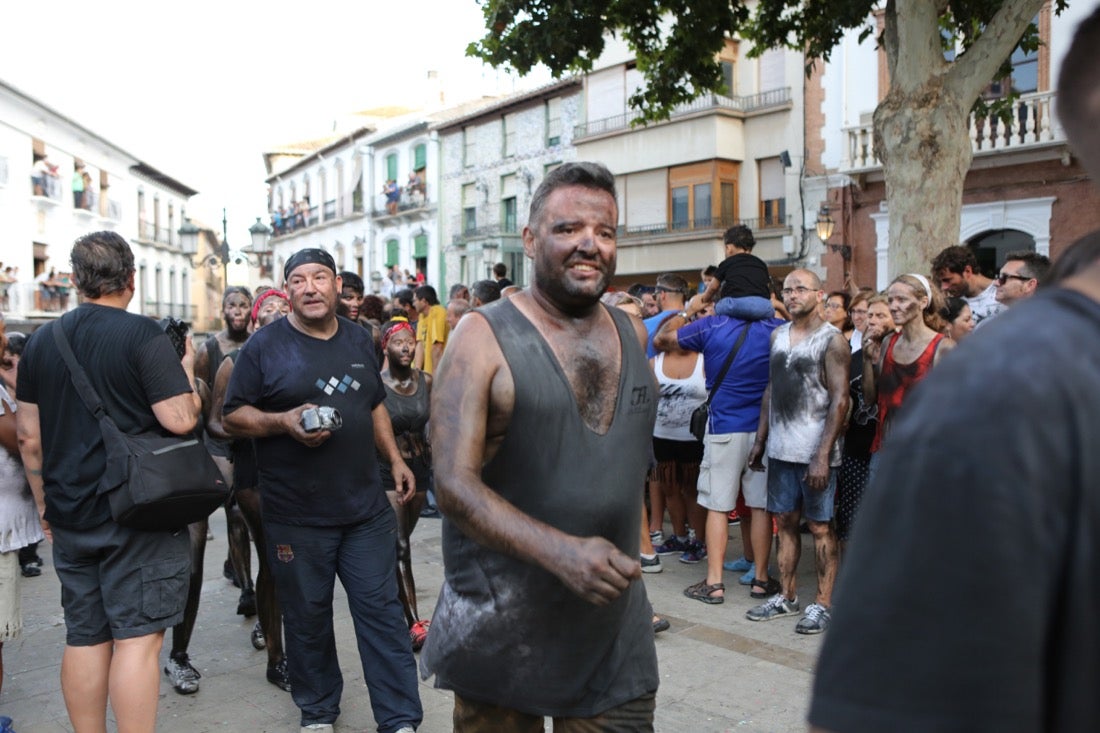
[(393, 252), (701, 204), (680, 207), (773, 202), (772, 74), (420, 246), (391, 167), (420, 157), (727, 59), (508, 191), (508, 131), (691, 190), (553, 122), (469, 208), (171, 223), (1025, 71), (141, 212), (143, 285), (728, 198), (468, 147)]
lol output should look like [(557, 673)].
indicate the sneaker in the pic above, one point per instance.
[(418, 634), (774, 607), (696, 552), (278, 675), (184, 677), (259, 641), (30, 570), (814, 621), (660, 624), (739, 565), (405, 729), (733, 518), (671, 546), (651, 564), (656, 537), (316, 728)]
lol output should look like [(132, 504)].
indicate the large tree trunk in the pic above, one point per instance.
[(923, 141)]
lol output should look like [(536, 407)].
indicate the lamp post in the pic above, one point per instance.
[(223, 254), (824, 226)]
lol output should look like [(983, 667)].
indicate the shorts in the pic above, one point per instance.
[(724, 472), (787, 491), (677, 451), (633, 716), (11, 610), (120, 583)]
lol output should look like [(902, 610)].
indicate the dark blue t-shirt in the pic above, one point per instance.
[(280, 368), (736, 406)]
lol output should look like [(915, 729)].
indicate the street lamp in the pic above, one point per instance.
[(260, 234), (825, 225)]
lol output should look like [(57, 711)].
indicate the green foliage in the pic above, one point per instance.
[(677, 41)]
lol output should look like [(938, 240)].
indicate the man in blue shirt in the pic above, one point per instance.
[(731, 430)]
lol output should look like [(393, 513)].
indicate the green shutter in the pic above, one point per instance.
[(393, 252), (391, 166), (420, 157), (420, 245)]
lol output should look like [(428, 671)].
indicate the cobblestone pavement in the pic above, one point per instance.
[(719, 671)]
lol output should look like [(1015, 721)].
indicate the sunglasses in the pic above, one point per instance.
[(1004, 277)]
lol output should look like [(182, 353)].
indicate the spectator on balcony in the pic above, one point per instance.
[(392, 194), (89, 193), (78, 186), (6, 280), (42, 175), (46, 282), (277, 221), (415, 188)]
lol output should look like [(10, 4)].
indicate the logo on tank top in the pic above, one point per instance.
[(338, 385), (639, 399), (284, 553)]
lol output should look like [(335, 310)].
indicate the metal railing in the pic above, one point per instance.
[(408, 200), (1031, 123), (712, 224), (499, 229), (750, 103)]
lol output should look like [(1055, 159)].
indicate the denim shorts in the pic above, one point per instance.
[(787, 491), (119, 583)]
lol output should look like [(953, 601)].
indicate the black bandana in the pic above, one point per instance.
[(305, 257)]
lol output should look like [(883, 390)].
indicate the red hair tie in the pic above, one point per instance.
[(400, 326)]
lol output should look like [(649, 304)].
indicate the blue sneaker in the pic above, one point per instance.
[(739, 565), (671, 546), (748, 577), (696, 552)]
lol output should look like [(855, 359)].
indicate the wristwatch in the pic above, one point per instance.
[(685, 315)]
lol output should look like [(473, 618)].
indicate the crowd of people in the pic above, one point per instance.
[(784, 403)]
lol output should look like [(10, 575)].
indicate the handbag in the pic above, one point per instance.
[(700, 416), (152, 481)]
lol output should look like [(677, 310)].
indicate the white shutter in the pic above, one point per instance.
[(646, 198), (772, 75), (605, 94), (508, 187), (771, 180)]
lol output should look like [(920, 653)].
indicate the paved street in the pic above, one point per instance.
[(719, 672)]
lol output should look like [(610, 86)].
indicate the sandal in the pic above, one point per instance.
[(764, 588), (702, 592)]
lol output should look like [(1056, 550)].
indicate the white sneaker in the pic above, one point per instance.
[(773, 608), (316, 728), (184, 677)]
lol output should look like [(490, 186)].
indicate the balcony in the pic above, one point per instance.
[(499, 230), (736, 106), (709, 226), (45, 191), (410, 203), (149, 232), (1031, 126)]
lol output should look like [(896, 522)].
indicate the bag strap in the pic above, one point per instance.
[(729, 361), (83, 385)]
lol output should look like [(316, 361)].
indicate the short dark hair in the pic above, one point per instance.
[(486, 291), (404, 296), (236, 290), (373, 308), (582, 173), (1078, 97), (351, 280), (1035, 264), (711, 271), (16, 340), (102, 263), (956, 259), (500, 269), (638, 290), (951, 308), (739, 235), (427, 292), (455, 289)]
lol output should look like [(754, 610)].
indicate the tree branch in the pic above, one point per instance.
[(975, 68), (919, 48)]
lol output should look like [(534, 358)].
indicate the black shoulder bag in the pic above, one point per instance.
[(152, 481), (701, 415)]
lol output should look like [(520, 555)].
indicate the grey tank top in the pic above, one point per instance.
[(507, 632)]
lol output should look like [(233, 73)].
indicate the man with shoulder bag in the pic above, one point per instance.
[(735, 361), (121, 587)]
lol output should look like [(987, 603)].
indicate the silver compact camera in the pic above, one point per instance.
[(321, 418)]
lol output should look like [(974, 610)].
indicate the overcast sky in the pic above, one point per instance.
[(200, 89)]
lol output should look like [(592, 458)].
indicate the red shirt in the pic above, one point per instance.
[(895, 380)]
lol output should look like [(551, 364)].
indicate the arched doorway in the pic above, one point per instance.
[(991, 247)]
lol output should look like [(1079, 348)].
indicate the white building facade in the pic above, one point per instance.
[(43, 154)]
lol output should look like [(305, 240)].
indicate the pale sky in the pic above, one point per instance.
[(199, 89)]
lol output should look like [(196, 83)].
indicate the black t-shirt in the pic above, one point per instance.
[(131, 363), (743, 274), (280, 368), (966, 600)]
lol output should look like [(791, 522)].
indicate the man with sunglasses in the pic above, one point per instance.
[(1019, 276), (669, 292)]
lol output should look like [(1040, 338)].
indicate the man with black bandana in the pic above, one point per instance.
[(324, 510)]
